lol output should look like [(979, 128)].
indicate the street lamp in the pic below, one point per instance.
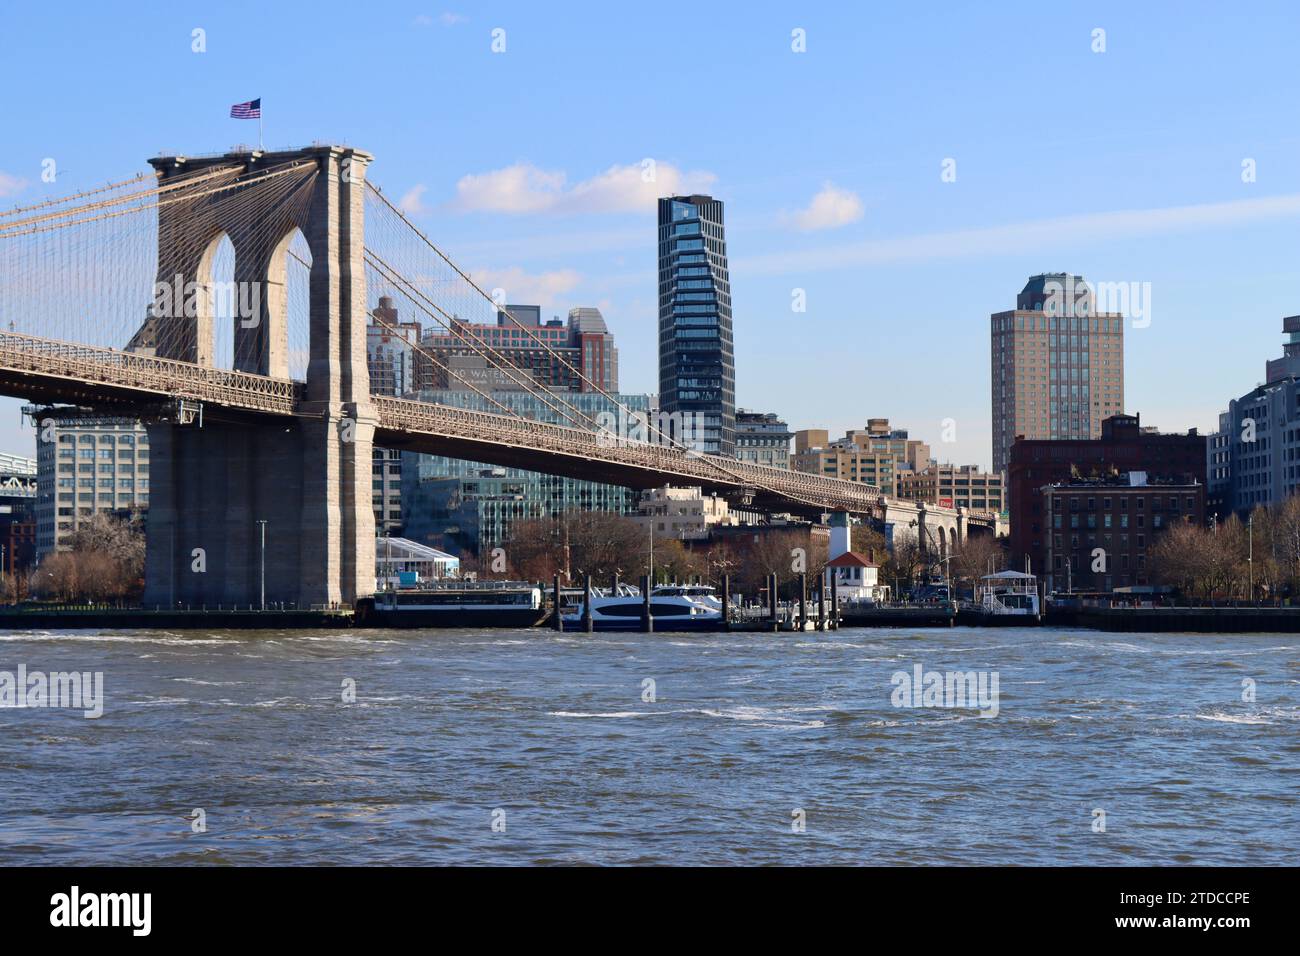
[(262, 523), (1250, 553)]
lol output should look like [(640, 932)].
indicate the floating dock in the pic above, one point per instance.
[(905, 615), (1212, 620), (81, 618)]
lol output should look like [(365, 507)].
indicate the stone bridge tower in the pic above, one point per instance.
[(308, 478)]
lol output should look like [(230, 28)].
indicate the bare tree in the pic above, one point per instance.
[(1177, 557), (105, 563), (974, 555)]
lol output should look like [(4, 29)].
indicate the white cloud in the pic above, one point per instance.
[(11, 185), (520, 188), (634, 188), (523, 188), (411, 201), (1025, 237), (523, 288), (829, 209)]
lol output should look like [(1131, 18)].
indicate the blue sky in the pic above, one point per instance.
[(1123, 166)]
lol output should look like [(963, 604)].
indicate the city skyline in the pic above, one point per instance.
[(568, 435), (854, 217)]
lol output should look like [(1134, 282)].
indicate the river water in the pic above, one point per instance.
[(522, 747)]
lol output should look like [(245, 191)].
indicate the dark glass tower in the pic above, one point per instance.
[(697, 369)]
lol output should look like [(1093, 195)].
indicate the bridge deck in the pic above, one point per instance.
[(54, 370)]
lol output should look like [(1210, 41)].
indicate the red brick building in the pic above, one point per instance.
[(1124, 446), (1100, 532)]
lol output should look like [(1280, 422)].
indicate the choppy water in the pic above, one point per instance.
[(744, 731)]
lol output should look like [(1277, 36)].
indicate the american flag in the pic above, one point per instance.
[(250, 110)]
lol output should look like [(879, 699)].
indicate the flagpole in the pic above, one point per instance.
[(260, 147)]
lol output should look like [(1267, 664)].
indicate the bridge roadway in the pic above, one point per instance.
[(54, 371)]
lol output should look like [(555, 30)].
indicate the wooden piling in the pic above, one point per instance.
[(559, 620), (587, 624)]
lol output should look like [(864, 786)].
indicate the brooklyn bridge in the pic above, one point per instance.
[(254, 415)]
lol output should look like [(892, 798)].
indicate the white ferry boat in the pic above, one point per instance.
[(674, 607), (458, 604), (1008, 598)]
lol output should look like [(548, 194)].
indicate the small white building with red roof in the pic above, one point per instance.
[(855, 578)]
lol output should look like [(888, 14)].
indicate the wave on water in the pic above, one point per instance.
[(616, 714), (1100, 645), (209, 683), (1259, 715), (340, 639), (765, 717), (1234, 718), (759, 716), (163, 701), (90, 637)]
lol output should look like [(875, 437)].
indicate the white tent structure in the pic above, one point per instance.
[(401, 562)]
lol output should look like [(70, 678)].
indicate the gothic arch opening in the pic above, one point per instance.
[(215, 276), (276, 342)]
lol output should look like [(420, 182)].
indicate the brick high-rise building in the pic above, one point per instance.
[(1124, 447), (396, 366), (578, 356), (1058, 365), (589, 334)]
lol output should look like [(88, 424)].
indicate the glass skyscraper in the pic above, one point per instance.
[(697, 369), (461, 506)]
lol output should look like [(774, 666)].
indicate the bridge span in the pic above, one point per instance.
[(231, 447)]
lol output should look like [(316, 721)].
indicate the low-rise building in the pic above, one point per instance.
[(84, 465), (17, 514), (1124, 446), (1101, 532), (855, 578), (953, 486), (874, 455), (683, 513), (762, 438)]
